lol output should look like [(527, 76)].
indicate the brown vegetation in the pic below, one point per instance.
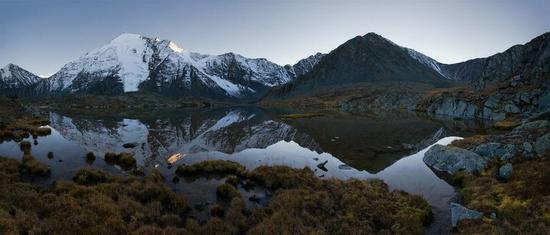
[(99, 203), (521, 204)]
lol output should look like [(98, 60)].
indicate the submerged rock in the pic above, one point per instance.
[(452, 159), (458, 213), (130, 145), (505, 171)]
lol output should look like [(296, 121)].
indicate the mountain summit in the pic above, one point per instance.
[(132, 62)]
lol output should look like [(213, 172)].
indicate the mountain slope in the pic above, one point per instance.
[(131, 63), (15, 80), (13, 76), (531, 60), (363, 59)]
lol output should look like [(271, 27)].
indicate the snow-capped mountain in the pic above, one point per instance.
[(305, 65), (133, 62), (14, 77)]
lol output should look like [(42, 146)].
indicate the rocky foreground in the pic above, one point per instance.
[(503, 179)]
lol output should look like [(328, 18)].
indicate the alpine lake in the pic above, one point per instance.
[(388, 146)]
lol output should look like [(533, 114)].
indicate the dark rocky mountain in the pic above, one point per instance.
[(531, 60), (363, 59)]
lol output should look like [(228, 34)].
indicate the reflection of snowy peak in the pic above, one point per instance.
[(132, 62), (226, 131), (96, 137)]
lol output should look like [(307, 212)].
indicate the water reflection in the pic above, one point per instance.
[(386, 146)]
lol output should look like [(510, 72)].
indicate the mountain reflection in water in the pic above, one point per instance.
[(335, 145)]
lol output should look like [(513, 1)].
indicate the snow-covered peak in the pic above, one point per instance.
[(13, 77), (5, 71), (175, 47), (425, 60)]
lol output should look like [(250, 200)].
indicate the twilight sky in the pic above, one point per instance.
[(42, 36)]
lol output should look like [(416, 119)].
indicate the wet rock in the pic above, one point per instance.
[(527, 147), (505, 171), (490, 150), (511, 108), (452, 159), (490, 114), (130, 145), (492, 102), (542, 144), (322, 166), (458, 213), (535, 125)]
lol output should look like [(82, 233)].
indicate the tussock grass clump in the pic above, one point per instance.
[(90, 158), (521, 204), (233, 180), (88, 176), (25, 147), (275, 177), (32, 167), (470, 142), (226, 192), (124, 160), (221, 167)]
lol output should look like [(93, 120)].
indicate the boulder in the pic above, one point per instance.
[(458, 213), (452, 159), (505, 171), (490, 150), (542, 144), (511, 108)]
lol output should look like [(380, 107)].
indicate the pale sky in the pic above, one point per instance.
[(42, 36)]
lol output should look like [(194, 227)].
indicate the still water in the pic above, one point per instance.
[(388, 146)]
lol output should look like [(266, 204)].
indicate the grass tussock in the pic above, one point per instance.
[(125, 160), (221, 167), (522, 203), (470, 142), (508, 124)]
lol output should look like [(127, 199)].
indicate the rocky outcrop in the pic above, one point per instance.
[(516, 97), (542, 144), (452, 159), (458, 213)]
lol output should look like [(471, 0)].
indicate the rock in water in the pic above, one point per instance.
[(458, 213), (452, 159), (130, 145), (505, 171)]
